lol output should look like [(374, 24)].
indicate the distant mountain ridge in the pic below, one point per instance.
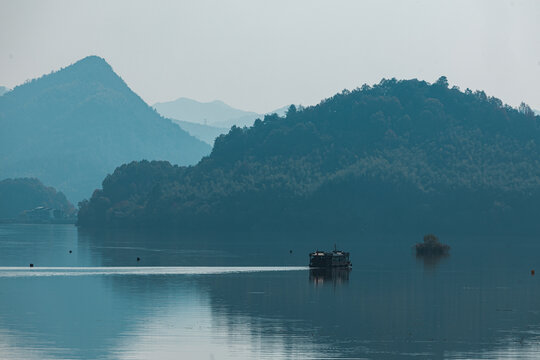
[(72, 127), (399, 156), (215, 113), (215, 117), (203, 132)]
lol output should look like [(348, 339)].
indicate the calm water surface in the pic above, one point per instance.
[(248, 296)]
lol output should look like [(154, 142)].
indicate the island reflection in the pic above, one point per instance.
[(431, 261)]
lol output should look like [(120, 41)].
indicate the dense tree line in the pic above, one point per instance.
[(399, 155)]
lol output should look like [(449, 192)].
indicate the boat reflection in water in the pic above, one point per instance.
[(335, 276)]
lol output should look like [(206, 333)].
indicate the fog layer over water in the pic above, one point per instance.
[(245, 296)]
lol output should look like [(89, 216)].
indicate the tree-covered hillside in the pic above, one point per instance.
[(18, 195), (74, 126), (398, 156)]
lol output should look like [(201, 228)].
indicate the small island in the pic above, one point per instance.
[(431, 246)]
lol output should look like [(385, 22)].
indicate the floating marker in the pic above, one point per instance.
[(532, 272), (138, 259), (31, 265), (70, 251)]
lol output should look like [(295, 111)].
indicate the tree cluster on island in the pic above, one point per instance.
[(431, 247), (396, 156)]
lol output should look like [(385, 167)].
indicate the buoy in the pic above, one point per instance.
[(70, 251), (138, 259), (532, 272), (31, 265), (290, 251)]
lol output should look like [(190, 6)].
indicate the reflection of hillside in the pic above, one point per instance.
[(380, 315), (101, 317), (66, 315), (166, 248), (261, 313), (385, 303), (387, 308)]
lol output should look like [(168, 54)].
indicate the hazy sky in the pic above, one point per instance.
[(260, 55)]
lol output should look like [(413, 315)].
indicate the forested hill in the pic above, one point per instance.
[(398, 156), (18, 195), (72, 127)]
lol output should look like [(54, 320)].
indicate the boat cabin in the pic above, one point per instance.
[(324, 259)]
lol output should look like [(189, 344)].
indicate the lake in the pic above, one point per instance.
[(249, 296)]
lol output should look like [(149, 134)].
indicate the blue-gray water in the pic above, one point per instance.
[(247, 296)]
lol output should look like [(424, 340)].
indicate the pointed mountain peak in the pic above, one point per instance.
[(90, 70), (92, 61), (91, 65)]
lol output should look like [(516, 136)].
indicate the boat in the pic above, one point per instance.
[(329, 259)]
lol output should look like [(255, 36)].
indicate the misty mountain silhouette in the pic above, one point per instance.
[(72, 127), (206, 133), (215, 113), (208, 120)]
